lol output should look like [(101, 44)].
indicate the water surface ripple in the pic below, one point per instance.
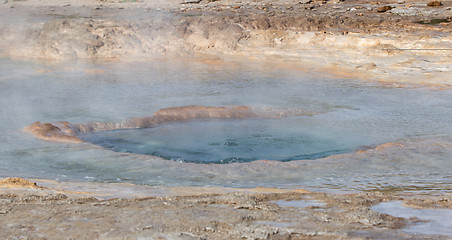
[(354, 116)]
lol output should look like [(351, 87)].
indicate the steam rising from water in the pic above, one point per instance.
[(224, 141), (356, 113), (67, 132)]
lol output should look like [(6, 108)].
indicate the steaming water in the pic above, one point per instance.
[(352, 115), (226, 141)]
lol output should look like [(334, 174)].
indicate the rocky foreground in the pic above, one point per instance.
[(29, 211)]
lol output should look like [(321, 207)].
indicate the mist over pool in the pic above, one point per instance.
[(351, 116)]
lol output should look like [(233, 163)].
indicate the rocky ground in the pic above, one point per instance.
[(402, 43), (29, 211)]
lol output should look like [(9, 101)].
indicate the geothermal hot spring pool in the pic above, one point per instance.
[(326, 141), (223, 141)]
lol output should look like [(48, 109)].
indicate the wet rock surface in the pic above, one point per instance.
[(242, 214)]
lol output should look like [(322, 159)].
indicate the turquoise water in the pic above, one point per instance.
[(227, 141), (352, 115)]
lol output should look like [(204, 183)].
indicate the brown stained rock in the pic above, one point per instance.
[(66, 132), (59, 132), (192, 2), (262, 23), (384, 9), (434, 4), (367, 66), (15, 182)]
